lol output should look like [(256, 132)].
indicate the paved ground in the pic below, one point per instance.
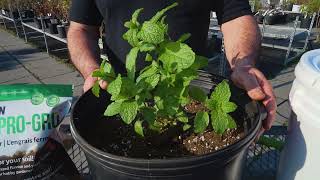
[(23, 63)]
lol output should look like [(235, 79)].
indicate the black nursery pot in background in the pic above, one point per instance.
[(15, 15), (30, 14), (53, 28), (46, 22), (53, 23), (275, 19), (224, 164), (62, 31), (38, 23)]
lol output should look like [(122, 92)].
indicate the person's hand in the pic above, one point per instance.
[(89, 82), (258, 88)]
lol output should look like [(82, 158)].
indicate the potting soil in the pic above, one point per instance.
[(30, 146)]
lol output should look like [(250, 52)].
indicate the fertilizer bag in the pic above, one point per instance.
[(30, 147)]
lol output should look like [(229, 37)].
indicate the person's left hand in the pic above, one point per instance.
[(258, 88)]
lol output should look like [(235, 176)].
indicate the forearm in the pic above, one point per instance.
[(242, 41), (84, 49)]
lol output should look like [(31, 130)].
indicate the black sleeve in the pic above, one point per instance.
[(228, 10), (85, 12)]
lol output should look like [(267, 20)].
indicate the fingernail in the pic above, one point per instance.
[(256, 94)]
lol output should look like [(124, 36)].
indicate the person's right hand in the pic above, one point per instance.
[(89, 82)]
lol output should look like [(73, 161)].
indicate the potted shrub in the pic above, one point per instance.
[(13, 7), (167, 121), (310, 7), (4, 7), (40, 8), (25, 9), (287, 5), (53, 13), (64, 7)]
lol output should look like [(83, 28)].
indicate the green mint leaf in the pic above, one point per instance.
[(177, 56), (104, 61), (147, 47), (184, 37), (159, 14), (96, 89), (212, 104), (229, 107), (182, 117), (149, 114), (97, 73), (132, 37), (186, 127), (138, 128), (128, 90), (130, 25), (131, 62), (107, 68), (171, 105), (231, 122), (222, 92), (135, 16), (163, 25), (149, 58), (142, 96), (114, 87), (113, 109), (200, 63), (184, 101), (148, 71), (148, 83), (219, 121), (197, 93), (201, 122), (187, 75), (151, 33), (159, 102), (128, 111)]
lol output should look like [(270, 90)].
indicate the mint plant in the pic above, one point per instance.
[(154, 98)]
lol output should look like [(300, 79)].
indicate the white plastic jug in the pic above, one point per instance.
[(300, 158)]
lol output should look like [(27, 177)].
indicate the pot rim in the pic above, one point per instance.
[(93, 151)]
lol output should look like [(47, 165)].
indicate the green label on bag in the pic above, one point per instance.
[(52, 100), (37, 98)]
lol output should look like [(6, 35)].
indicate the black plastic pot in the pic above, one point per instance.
[(30, 14), (15, 15), (225, 164), (62, 31), (275, 19), (259, 18), (46, 22), (53, 28), (38, 23)]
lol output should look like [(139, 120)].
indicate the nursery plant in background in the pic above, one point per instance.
[(64, 7), (4, 7), (308, 9)]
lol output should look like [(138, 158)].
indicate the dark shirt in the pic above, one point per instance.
[(191, 16)]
